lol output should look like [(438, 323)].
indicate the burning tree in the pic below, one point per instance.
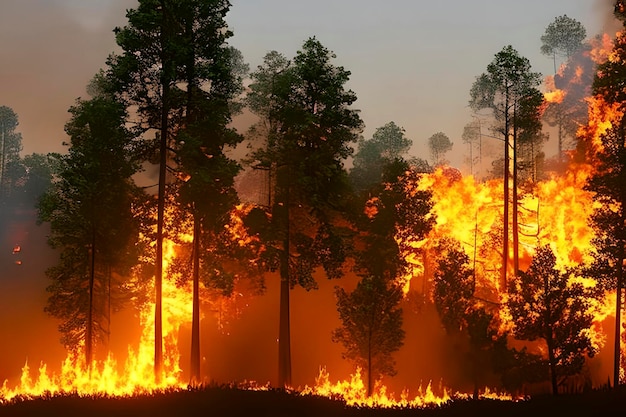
[(307, 126), (564, 37), (89, 208), (549, 304), (371, 326), (607, 184)]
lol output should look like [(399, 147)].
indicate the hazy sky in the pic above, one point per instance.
[(412, 61)]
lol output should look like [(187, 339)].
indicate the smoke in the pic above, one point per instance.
[(610, 24), (50, 51)]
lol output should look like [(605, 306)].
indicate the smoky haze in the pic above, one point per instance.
[(50, 51)]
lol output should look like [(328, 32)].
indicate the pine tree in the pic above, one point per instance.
[(307, 127)]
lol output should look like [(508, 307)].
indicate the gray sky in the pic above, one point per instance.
[(412, 61)]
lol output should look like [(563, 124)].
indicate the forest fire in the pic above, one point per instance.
[(489, 252), (553, 212)]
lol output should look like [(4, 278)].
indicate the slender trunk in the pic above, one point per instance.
[(560, 150), (195, 322), (505, 225), (619, 285), (618, 316), (89, 327), (370, 383), (515, 207), (284, 335), (475, 367), (549, 335), (284, 339), (2, 159), (552, 360), (158, 278)]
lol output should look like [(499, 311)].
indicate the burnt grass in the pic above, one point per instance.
[(225, 401)]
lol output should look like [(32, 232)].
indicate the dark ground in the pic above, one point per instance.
[(233, 402)]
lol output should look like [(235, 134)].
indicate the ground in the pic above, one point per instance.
[(225, 401)]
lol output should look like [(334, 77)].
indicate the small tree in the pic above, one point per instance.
[(388, 142), (439, 145), (563, 37), (371, 326), (453, 288), (89, 208), (463, 314), (10, 147), (547, 304)]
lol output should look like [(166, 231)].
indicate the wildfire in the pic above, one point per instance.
[(553, 95), (136, 376), (354, 392)]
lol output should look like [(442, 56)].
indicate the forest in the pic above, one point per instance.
[(501, 280)]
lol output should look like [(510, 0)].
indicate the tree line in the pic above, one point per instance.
[(168, 99)]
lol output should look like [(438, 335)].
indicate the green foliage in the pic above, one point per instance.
[(388, 217), (439, 145), (453, 287), (371, 325), (387, 144), (89, 208), (564, 36), (548, 304), (306, 125), (508, 79), (10, 147)]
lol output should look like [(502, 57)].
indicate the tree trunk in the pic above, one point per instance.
[(618, 316), (515, 207), (284, 337), (370, 383), (552, 360), (284, 332), (89, 327), (158, 278), (2, 159), (505, 225), (195, 322)]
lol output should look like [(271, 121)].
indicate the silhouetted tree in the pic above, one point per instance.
[(371, 328), (439, 145), (89, 208), (10, 147), (307, 125), (608, 185), (462, 313), (548, 304), (453, 286), (563, 37), (387, 143)]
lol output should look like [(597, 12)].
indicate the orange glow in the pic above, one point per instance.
[(354, 393), (553, 95)]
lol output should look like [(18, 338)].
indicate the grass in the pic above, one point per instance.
[(226, 401)]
